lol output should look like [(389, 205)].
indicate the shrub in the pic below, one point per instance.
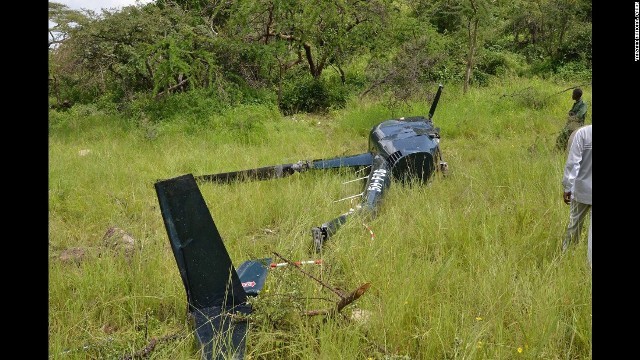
[(306, 94)]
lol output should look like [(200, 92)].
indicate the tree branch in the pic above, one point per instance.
[(311, 276), (342, 303), (184, 81), (146, 351)]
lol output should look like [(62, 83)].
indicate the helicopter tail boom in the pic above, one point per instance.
[(378, 182)]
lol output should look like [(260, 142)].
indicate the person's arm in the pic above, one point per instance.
[(581, 111), (572, 165)]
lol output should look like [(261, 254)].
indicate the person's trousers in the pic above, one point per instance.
[(589, 238), (577, 214), (562, 141)]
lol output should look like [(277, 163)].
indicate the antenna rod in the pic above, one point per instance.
[(360, 178), (435, 102)]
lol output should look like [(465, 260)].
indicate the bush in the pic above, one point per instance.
[(497, 62), (532, 97), (195, 106), (306, 94), (86, 119), (574, 71)]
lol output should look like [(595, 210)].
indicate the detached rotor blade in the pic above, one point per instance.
[(261, 173), (280, 171), (365, 159)]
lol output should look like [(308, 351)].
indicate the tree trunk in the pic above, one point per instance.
[(312, 66), (280, 76), (473, 38)]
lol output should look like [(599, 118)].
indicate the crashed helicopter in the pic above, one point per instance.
[(404, 149)]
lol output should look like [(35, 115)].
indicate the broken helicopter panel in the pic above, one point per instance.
[(217, 292)]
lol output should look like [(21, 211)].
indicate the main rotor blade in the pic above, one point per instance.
[(435, 102), (283, 170), (365, 159), (261, 173)]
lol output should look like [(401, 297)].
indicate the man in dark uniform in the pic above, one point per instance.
[(577, 114)]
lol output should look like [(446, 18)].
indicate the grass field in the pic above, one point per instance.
[(466, 267)]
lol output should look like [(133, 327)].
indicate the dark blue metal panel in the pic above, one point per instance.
[(377, 184), (222, 331), (215, 293), (343, 161), (410, 145), (253, 274), (204, 263)]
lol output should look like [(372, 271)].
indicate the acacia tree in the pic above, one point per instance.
[(136, 49), (66, 79), (465, 22), (557, 31), (474, 12), (316, 34), (62, 20), (214, 13), (406, 59), (178, 45)]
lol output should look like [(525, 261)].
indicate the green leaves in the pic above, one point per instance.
[(238, 48)]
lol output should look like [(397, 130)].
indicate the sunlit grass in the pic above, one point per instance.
[(465, 267)]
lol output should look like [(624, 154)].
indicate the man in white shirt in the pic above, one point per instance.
[(576, 183)]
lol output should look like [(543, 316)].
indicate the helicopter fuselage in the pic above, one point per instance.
[(409, 145)]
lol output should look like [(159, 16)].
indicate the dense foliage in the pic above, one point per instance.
[(306, 56)]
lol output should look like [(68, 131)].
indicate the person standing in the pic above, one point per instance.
[(576, 118), (576, 183)]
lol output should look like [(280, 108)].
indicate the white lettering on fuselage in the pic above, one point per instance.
[(377, 180)]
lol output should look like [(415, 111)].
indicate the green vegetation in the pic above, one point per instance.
[(466, 267), (307, 56)]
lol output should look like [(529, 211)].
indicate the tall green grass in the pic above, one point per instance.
[(466, 267)]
